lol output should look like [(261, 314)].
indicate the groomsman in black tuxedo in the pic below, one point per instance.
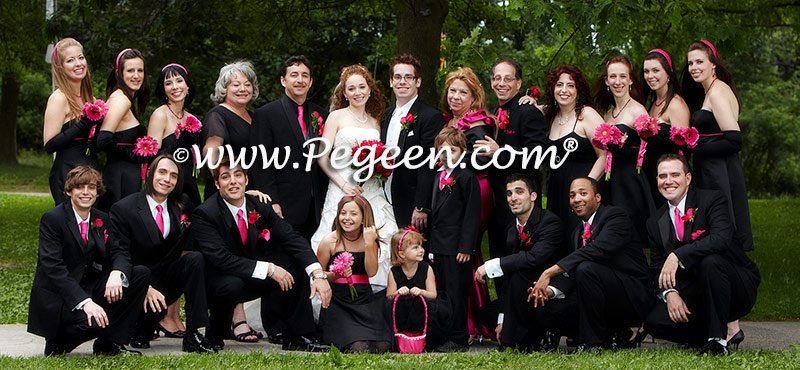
[(84, 287), (407, 124), (519, 127), (251, 252), (297, 195), (454, 233), (151, 227), (609, 270), (534, 240), (704, 280)]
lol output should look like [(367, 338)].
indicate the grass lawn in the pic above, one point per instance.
[(30, 175), (662, 359)]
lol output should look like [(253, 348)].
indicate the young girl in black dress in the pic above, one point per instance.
[(412, 277)]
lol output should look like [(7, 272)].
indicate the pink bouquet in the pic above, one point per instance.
[(95, 111), (191, 124), (605, 135), (684, 136), (379, 172), (340, 263), (146, 146), (646, 126)]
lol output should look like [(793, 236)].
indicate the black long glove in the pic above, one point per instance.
[(66, 137), (729, 143)]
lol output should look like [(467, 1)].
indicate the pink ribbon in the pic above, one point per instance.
[(353, 279), (608, 165), (640, 158)]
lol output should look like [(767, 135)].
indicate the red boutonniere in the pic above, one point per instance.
[(96, 224), (525, 238), (185, 221), (264, 234), (534, 91), (689, 216), (697, 234), (405, 122), (316, 123), (587, 236), (252, 217), (503, 121)]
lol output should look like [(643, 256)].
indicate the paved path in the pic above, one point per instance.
[(16, 342)]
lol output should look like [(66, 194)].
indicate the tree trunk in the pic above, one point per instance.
[(8, 119), (419, 32)]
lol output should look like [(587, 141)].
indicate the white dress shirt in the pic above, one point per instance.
[(681, 207), (393, 137)]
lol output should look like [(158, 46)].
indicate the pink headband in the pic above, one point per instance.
[(175, 65), (713, 50), (409, 228), (116, 64), (364, 202), (664, 54), (55, 59)]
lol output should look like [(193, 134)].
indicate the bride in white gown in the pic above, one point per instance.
[(356, 109)]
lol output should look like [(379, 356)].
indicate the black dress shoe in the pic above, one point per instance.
[(275, 338), (550, 341), (107, 348), (193, 341), (51, 348), (713, 348), (451, 346), (302, 343), (140, 343), (736, 339)]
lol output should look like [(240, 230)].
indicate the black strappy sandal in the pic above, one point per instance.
[(243, 336)]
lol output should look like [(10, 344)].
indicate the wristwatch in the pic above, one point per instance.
[(319, 276), (419, 209)]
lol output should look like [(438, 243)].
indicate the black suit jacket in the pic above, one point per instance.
[(543, 244), (275, 126), (67, 267), (134, 229), (410, 187), (710, 215), (455, 214), (526, 129), (217, 236)]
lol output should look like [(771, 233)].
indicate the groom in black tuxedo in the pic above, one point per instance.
[(704, 280), (407, 124), (84, 287), (297, 195), (608, 268), (151, 228), (251, 253)]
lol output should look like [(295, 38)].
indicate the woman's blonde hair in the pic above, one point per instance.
[(62, 82)]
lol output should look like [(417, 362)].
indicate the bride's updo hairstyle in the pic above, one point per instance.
[(375, 106)]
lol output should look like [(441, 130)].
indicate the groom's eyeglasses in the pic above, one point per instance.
[(407, 78)]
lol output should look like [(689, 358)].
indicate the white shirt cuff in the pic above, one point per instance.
[(493, 268), (557, 293), (664, 294), (312, 267), (80, 305), (680, 264), (261, 270), (500, 318)]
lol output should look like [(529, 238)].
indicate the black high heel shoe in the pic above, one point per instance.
[(736, 339), (170, 334)]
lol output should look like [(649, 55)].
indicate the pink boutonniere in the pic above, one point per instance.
[(264, 234), (525, 238), (316, 123), (406, 121), (587, 236), (446, 182), (185, 221), (96, 224), (697, 234), (689, 216), (252, 217)]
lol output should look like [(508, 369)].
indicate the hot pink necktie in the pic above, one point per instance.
[(586, 228), (442, 177), (678, 224), (301, 120), (520, 227), (85, 231), (160, 218), (242, 226)]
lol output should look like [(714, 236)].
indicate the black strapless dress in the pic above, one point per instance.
[(168, 146), (629, 188), (578, 164), (722, 172), (69, 157), (349, 320), (122, 176), (410, 314)]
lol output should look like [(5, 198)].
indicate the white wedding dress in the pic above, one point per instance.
[(348, 137)]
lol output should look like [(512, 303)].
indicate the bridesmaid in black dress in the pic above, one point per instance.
[(175, 91), (665, 103), (709, 92), (572, 125), (354, 322), (65, 132), (630, 189), (127, 84)]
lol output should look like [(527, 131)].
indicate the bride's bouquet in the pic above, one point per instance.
[(367, 156)]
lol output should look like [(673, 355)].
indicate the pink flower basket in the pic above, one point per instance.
[(410, 342)]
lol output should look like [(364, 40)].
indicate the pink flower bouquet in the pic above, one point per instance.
[(340, 263), (604, 136)]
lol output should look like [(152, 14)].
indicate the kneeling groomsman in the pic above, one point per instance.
[(151, 229), (608, 270), (251, 252), (84, 288), (703, 279), (534, 240)]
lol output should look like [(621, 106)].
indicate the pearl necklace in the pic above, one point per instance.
[(360, 120)]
